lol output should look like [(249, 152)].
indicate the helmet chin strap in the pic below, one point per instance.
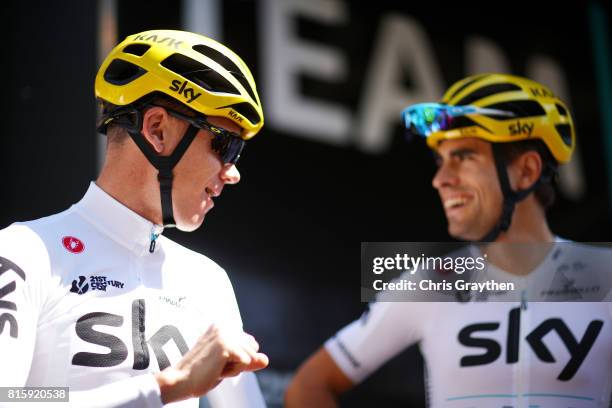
[(510, 196), (164, 166)]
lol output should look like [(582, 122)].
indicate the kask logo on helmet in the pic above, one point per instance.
[(170, 42), (235, 116), (468, 131), (539, 92)]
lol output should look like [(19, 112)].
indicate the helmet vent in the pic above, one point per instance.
[(120, 72), (464, 121), (561, 110), (487, 91), (199, 73), (136, 49), (566, 134), (226, 63), (468, 83), (521, 109)]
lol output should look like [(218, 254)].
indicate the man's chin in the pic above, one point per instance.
[(462, 233), (191, 225)]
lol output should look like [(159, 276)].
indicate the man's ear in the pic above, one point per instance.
[(529, 167), (153, 123)]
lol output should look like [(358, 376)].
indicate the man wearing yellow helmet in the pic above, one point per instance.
[(100, 302), (516, 123), (498, 140)]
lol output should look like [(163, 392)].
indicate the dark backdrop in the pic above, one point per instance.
[(289, 233)]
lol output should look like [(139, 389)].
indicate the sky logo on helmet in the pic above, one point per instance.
[(521, 128), (182, 89), (170, 42)]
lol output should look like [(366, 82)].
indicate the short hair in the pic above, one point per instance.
[(545, 192), (117, 133)]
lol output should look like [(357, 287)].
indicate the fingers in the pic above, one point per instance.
[(251, 341), (244, 357), (260, 361), (217, 354)]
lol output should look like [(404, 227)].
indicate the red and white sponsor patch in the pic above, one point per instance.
[(73, 244)]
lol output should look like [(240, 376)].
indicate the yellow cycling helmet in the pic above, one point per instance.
[(195, 70), (497, 108)]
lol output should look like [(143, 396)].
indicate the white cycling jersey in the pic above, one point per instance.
[(84, 304), (500, 354)]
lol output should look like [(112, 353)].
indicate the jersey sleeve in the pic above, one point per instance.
[(23, 263), (135, 392), (240, 391), (143, 392), (243, 390), (382, 332)]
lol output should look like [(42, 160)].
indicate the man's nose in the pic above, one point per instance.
[(230, 174), (445, 177)]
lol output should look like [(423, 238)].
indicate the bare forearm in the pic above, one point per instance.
[(300, 395), (318, 383)]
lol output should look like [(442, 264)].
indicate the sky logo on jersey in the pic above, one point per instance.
[(96, 282), (73, 244), (577, 347), (86, 329), (7, 318)]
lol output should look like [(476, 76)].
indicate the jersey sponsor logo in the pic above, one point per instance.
[(7, 317), (118, 349), (96, 282), (570, 288), (79, 287), (182, 89), (73, 244), (176, 301), (578, 349)]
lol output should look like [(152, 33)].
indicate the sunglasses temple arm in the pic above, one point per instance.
[(497, 112)]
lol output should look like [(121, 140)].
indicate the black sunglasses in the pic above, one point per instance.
[(227, 144)]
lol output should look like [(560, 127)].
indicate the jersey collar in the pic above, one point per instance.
[(116, 220)]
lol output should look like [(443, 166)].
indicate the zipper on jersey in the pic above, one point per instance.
[(524, 299), (156, 231)]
